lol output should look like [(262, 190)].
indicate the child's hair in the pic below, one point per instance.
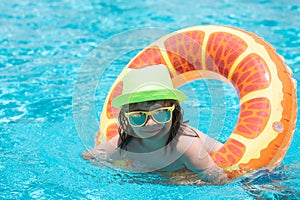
[(125, 128)]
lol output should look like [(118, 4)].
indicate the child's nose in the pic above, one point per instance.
[(150, 121)]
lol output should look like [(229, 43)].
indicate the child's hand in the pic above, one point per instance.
[(214, 175), (95, 155), (88, 155)]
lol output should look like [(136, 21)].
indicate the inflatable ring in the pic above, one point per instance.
[(267, 92)]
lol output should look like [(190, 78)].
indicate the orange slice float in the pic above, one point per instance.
[(267, 91)]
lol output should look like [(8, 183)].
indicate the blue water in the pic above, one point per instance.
[(50, 95)]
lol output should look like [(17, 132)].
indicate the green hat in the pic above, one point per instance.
[(147, 84)]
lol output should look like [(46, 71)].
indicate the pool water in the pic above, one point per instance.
[(50, 97)]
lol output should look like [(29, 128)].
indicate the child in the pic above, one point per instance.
[(151, 130)]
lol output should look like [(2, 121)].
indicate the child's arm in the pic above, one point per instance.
[(196, 158)]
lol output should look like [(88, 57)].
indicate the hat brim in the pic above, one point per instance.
[(148, 96)]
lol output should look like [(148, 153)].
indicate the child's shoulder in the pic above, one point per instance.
[(187, 136), (186, 130)]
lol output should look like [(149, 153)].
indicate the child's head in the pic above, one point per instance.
[(146, 90), (151, 119)]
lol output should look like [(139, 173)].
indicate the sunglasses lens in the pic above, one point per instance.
[(162, 115), (137, 119)]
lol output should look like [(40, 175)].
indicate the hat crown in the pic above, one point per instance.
[(155, 77), (147, 84)]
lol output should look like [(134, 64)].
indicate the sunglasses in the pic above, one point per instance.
[(160, 115)]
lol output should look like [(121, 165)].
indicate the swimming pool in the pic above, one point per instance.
[(43, 46)]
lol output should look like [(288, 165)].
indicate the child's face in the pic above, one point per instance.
[(151, 129)]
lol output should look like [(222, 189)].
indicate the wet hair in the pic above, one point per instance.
[(125, 128)]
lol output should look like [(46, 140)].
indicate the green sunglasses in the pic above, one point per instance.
[(160, 115)]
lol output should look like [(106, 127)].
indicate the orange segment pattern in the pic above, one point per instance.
[(149, 56), (223, 49), (111, 111), (267, 154), (231, 152), (251, 74), (254, 116), (184, 51), (111, 131)]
